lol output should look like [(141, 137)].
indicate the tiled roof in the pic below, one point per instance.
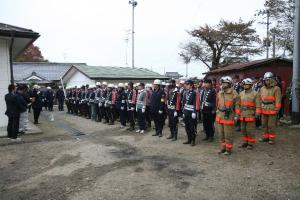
[(106, 72), (50, 71), (240, 66)]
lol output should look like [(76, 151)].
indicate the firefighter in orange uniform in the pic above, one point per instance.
[(270, 95), (250, 110), (228, 112)]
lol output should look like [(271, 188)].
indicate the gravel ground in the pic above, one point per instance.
[(77, 159)]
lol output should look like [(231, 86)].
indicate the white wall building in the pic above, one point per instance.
[(13, 40), (79, 75)]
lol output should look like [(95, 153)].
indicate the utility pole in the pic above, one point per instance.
[(296, 67), (126, 47), (268, 33), (134, 4), (274, 45)]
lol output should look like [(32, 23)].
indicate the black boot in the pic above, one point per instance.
[(156, 134), (188, 141), (175, 136), (160, 134), (193, 143)]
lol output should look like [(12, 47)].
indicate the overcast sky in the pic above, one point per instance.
[(94, 31)]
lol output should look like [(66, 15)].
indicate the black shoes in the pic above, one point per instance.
[(187, 142)]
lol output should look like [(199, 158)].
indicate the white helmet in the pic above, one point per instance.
[(148, 85), (268, 75), (157, 82), (110, 85), (126, 84), (181, 82), (49, 88), (36, 87), (247, 81), (98, 84), (120, 85), (104, 83), (226, 79)]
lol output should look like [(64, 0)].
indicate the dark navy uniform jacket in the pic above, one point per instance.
[(158, 101)]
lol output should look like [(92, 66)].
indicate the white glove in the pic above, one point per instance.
[(175, 114), (160, 112), (143, 110), (194, 115), (99, 104), (183, 116), (122, 108), (136, 109), (132, 109), (236, 119)]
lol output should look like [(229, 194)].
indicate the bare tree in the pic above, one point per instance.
[(210, 44)]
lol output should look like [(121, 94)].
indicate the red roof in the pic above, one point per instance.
[(241, 66)]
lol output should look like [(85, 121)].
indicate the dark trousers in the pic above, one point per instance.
[(13, 127), (190, 127), (104, 112), (61, 105), (173, 123), (148, 117), (98, 111), (50, 105), (131, 119), (68, 106), (123, 114), (110, 114), (36, 114), (159, 120), (141, 119), (208, 124)]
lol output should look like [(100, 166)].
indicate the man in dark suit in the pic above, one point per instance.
[(208, 108), (13, 109), (37, 103)]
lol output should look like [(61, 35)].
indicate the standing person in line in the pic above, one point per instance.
[(37, 103), (191, 106), (208, 109), (148, 102), (60, 96), (21, 92), (250, 111), (228, 112), (13, 109), (121, 106), (131, 101), (270, 95), (158, 107), (141, 108), (49, 94), (173, 104)]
